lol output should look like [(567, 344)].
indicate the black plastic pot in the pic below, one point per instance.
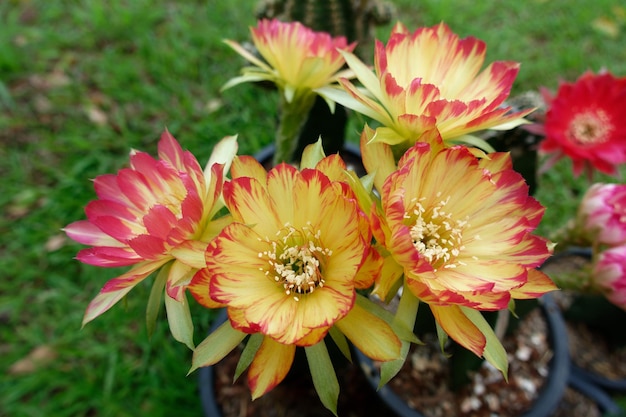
[(590, 385), (551, 392)]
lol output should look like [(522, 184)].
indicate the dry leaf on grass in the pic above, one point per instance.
[(38, 357)]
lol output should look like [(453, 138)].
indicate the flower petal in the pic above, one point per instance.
[(269, 366)]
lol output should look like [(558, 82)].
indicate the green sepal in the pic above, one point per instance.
[(494, 352), (179, 319), (362, 188), (312, 154), (154, 300), (442, 336), (402, 329), (341, 341), (474, 141), (511, 308), (404, 321), (390, 369), (323, 374), (247, 355), (216, 346)]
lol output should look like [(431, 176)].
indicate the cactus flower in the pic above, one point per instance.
[(460, 229), (609, 275), (295, 57), (602, 214), (429, 78), (287, 268), (155, 212), (586, 122)]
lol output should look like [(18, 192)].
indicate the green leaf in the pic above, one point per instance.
[(254, 342), (494, 351), (154, 300), (323, 373), (216, 345), (179, 319)]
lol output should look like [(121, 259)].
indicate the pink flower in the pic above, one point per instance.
[(602, 214), (609, 274), (152, 213), (586, 121)]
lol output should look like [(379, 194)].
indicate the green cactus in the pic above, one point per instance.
[(354, 19)]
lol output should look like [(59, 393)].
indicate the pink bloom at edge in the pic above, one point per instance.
[(586, 122), (602, 214), (609, 275), (152, 213)]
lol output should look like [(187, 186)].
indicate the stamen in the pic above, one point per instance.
[(294, 260), (590, 128), (435, 233)]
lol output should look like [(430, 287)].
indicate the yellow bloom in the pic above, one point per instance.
[(428, 79), (460, 229), (289, 265), (296, 57)]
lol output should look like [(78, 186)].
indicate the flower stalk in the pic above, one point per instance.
[(293, 117)]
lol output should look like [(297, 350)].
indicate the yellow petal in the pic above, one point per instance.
[(269, 366), (191, 253), (370, 334), (460, 328), (537, 284), (247, 166)]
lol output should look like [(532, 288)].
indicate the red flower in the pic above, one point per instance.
[(586, 121)]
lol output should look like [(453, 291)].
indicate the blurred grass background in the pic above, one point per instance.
[(84, 81)]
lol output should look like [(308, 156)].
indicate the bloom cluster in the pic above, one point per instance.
[(601, 225), (292, 253)]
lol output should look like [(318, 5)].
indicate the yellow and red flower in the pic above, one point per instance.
[(296, 57), (289, 265), (148, 215), (586, 121), (459, 229), (426, 79)]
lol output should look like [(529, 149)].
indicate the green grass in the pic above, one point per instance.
[(84, 81)]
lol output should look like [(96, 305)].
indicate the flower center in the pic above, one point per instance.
[(590, 128), (435, 234), (295, 260)]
